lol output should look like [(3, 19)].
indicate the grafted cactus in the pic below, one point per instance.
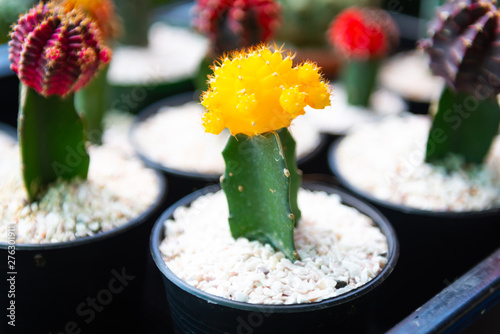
[(235, 24), (464, 49), (363, 36), (256, 94), (54, 53)]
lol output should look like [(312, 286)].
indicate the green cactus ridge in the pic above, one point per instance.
[(261, 183), (51, 141)]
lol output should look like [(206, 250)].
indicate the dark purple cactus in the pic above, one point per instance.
[(464, 46), (54, 52), (235, 24)]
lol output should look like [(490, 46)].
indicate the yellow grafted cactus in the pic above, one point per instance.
[(256, 91)]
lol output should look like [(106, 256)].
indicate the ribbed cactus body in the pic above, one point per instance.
[(55, 54), (235, 24), (464, 46)]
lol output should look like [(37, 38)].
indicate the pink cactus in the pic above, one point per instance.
[(55, 52)]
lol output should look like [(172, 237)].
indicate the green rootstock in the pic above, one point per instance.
[(463, 125), (90, 104), (51, 141), (261, 183), (359, 78)]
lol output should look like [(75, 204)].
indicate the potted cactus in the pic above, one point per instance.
[(439, 179), (363, 36), (233, 284), (70, 222), (304, 27)]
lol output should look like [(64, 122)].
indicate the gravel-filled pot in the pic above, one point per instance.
[(185, 153), (442, 243), (85, 283), (197, 311)]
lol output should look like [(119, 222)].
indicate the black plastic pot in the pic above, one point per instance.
[(92, 284), (436, 247), (182, 183), (195, 311), (9, 89)]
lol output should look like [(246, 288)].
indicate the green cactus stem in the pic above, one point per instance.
[(51, 141), (261, 183), (90, 102), (359, 78), (463, 125)]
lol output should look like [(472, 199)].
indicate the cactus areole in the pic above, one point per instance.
[(54, 53), (256, 94), (235, 24), (464, 49)]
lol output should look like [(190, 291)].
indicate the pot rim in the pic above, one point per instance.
[(157, 236), (132, 223), (333, 163), (177, 100)]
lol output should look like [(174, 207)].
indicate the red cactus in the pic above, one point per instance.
[(363, 33), (234, 24), (55, 52)]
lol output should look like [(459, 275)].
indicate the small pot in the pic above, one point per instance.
[(195, 311), (86, 284), (436, 247), (182, 183)]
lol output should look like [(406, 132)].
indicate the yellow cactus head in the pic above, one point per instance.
[(259, 90), (101, 11)]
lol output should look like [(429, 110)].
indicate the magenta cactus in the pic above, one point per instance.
[(235, 24), (56, 53)]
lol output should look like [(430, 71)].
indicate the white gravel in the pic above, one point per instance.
[(339, 247), (386, 160), (340, 117), (173, 54), (119, 189), (409, 75), (175, 137)]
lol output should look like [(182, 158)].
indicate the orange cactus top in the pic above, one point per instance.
[(259, 90), (101, 11)]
